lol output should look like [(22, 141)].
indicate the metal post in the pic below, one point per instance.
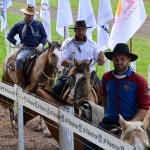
[(66, 137), (20, 125)]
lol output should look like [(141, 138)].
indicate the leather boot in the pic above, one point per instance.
[(19, 78)]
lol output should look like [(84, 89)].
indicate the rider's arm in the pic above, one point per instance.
[(98, 56), (11, 34), (65, 56), (140, 115)]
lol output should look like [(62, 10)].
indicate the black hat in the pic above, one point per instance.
[(80, 24), (121, 48)]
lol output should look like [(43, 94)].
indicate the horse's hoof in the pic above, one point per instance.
[(39, 129), (45, 134), (14, 124)]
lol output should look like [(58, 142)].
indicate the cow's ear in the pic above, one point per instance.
[(146, 123), (122, 122)]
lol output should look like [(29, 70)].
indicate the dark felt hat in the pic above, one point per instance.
[(80, 24), (121, 48)]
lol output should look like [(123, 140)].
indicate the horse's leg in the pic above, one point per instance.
[(42, 126)]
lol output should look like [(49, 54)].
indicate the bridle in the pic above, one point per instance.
[(88, 91), (54, 45), (87, 76)]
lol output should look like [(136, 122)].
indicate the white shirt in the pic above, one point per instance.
[(71, 50)]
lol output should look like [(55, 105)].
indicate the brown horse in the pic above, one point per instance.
[(46, 67), (81, 87)]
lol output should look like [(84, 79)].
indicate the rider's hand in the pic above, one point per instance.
[(20, 45), (39, 47), (101, 60)]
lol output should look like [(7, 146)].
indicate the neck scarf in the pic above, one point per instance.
[(25, 29), (120, 76)]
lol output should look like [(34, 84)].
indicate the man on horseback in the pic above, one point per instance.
[(79, 48), (124, 91), (32, 37)]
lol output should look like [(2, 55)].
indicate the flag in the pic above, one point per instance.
[(85, 12), (130, 15), (4, 5), (32, 2), (104, 15), (103, 37), (64, 16), (45, 15)]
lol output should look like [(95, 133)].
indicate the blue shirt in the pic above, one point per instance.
[(39, 37), (124, 96)]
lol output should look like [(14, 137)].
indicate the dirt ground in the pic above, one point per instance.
[(34, 140)]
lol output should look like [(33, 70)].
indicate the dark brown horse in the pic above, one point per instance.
[(46, 67), (81, 86)]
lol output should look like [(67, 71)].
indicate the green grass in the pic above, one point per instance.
[(140, 46)]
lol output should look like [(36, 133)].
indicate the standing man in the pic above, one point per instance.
[(79, 47), (124, 91), (32, 36)]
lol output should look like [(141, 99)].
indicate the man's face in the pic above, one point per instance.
[(28, 18), (80, 33), (121, 63)]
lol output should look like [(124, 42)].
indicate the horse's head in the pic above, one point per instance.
[(54, 59), (134, 133), (80, 80)]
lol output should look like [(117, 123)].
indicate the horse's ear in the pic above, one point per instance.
[(122, 122), (146, 122), (49, 43), (90, 62), (75, 62), (58, 40)]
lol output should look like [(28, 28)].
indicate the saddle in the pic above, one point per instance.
[(28, 64)]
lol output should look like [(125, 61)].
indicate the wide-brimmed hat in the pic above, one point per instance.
[(29, 10), (121, 48), (80, 24)]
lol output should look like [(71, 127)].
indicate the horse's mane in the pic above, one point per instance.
[(57, 97)]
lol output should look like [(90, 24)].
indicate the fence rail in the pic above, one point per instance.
[(74, 124)]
